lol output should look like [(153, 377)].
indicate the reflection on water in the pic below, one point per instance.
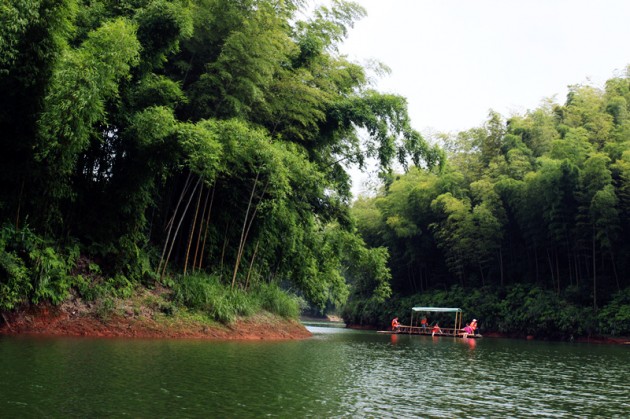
[(336, 373)]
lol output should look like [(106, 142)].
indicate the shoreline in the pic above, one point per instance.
[(76, 318)]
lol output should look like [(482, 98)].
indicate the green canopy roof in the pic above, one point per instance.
[(437, 309)]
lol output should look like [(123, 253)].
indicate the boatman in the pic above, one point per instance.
[(395, 324), (424, 322), (436, 329)]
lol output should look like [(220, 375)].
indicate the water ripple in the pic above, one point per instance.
[(336, 374)]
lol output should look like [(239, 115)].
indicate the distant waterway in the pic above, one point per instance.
[(336, 373)]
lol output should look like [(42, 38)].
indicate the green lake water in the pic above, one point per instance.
[(336, 373)]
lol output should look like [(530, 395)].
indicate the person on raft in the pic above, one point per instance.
[(424, 323), (395, 324), (467, 331), (436, 329), (473, 326)]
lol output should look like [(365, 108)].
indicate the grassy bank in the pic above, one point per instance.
[(154, 313)]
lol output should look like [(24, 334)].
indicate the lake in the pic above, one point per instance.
[(336, 373)]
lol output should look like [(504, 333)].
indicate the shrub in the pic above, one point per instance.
[(614, 318), (277, 301), (205, 293), (31, 268), (15, 283)]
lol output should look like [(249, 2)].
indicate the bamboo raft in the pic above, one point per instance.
[(456, 332), (416, 330)]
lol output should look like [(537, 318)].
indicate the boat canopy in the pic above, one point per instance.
[(438, 309), (457, 311)]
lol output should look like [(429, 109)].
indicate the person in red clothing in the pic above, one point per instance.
[(395, 324), (424, 323), (473, 326), (467, 330), (436, 329)]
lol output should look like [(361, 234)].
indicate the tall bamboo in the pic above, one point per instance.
[(225, 242), (251, 264), (169, 225), (203, 215), (192, 230), (242, 240), (192, 194), (205, 234)]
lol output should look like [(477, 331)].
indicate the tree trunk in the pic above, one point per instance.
[(576, 263), (251, 264), (169, 225), (558, 272), (201, 225), (249, 226), (17, 216), (205, 234), (536, 263), (192, 230), (594, 273), (192, 194), (225, 242), (501, 265), (614, 266), (553, 280), (241, 243)]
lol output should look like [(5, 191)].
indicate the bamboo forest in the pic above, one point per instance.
[(205, 146)]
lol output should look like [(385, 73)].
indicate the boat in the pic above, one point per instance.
[(416, 329)]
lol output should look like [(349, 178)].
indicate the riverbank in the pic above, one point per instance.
[(147, 314)]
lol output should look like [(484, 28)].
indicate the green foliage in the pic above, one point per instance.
[(248, 100), (516, 310), (119, 286), (105, 308), (82, 83), (16, 284), (206, 293), (539, 201), (113, 112), (614, 318), (33, 270), (365, 312), (275, 300), (31, 33), (161, 25)]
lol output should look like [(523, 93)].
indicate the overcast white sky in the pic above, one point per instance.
[(454, 60)]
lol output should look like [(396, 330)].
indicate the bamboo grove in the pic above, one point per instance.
[(530, 206), (156, 139)]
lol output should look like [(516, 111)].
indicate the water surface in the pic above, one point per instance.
[(337, 373)]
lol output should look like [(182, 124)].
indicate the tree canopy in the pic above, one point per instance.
[(168, 137), (537, 199)]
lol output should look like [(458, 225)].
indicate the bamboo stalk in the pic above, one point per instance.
[(251, 220), (225, 241), (192, 230), (169, 225), (177, 229), (251, 264), (205, 234), (17, 217), (203, 215), (6, 321), (242, 240)]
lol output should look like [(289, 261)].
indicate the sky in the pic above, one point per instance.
[(454, 60)]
